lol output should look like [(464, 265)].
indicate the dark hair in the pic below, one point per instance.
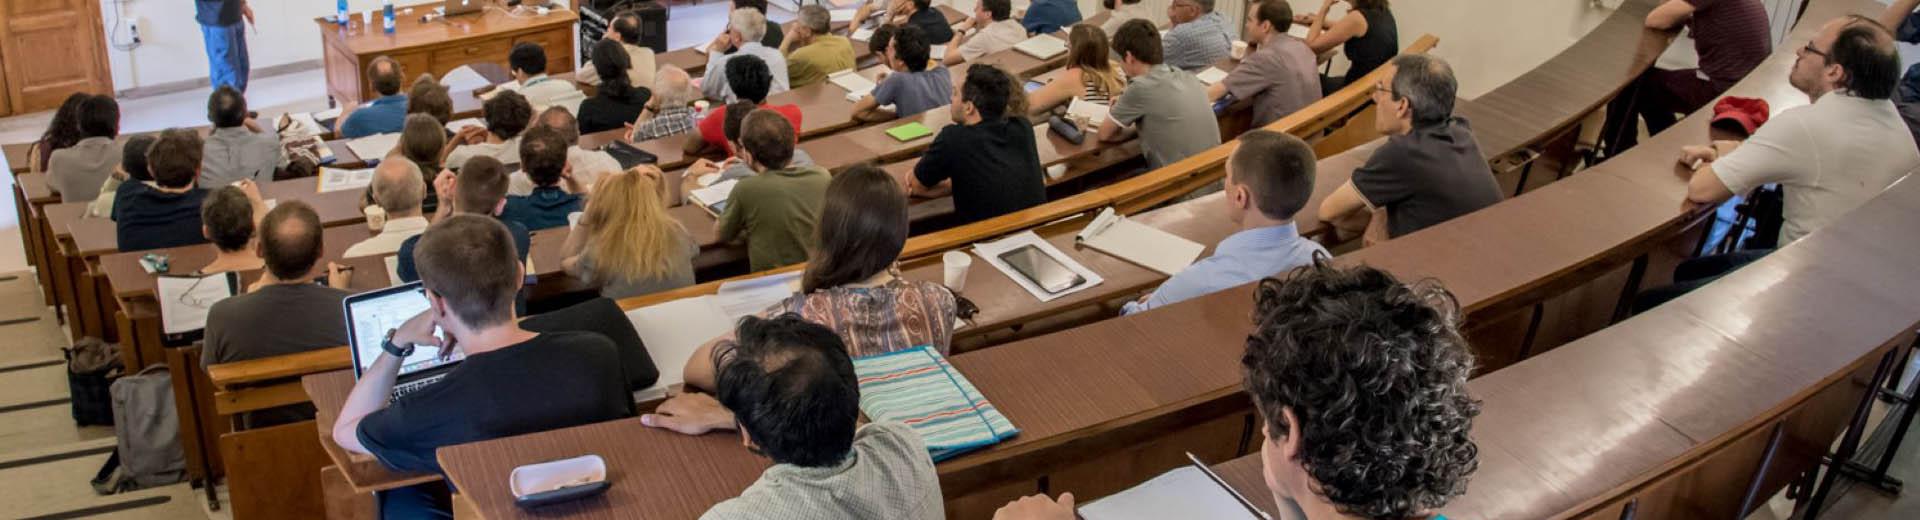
[(527, 57), (174, 159), (228, 216), (922, 5), (1275, 12), (226, 108), (882, 37), (481, 184), (737, 113), (749, 77), (99, 117), (1277, 168), (559, 120), (385, 73), (430, 97), (507, 114), (543, 155), (471, 262), (769, 137), (627, 25), (1427, 83), (757, 5), (133, 156), (910, 46), (988, 88), (1384, 417), (1369, 4), (290, 240), (998, 9), (862, 229), (611, 62), (790, 385), (64, 130), (421, 139), (1140, 39), (1865, 51)]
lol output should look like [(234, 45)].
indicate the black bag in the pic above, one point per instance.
[(92, 365)]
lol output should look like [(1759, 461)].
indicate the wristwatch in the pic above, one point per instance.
[(387, 345)]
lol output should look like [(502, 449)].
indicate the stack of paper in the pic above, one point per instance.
[(919, 388), (713, 198), (374, 147), (457, 124), (1042, 47), (1185, 492), (463, 79), (672, 331), (857, 86), (335, 179), (185, 300), (1212, 75), (1139, 243), (1093, 113), (750, 297)]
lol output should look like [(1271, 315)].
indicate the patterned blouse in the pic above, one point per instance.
[(876, 320)]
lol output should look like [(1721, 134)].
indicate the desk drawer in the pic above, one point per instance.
[(559, 47), (489, 51)]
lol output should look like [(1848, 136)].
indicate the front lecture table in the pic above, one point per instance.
[(439, 46)]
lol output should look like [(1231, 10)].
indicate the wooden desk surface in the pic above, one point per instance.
[(329, 392), (33, 185), (98, 236), (130, 280), (410, 32), (646, 466)]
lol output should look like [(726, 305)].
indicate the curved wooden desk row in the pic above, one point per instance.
[(694, 60)]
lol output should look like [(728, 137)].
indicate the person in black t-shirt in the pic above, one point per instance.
[(987, 160), (512, 382), (1429, 171)]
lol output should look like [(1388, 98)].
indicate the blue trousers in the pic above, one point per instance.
[(227, 55)]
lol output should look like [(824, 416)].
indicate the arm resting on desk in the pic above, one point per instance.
[(369, 395), (1669, 15)]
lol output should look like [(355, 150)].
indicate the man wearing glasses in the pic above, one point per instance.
[(1429, 171)]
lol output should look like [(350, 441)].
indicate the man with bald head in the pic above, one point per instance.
[(671, 110), (385, 114), (251, 325), (398, 189)]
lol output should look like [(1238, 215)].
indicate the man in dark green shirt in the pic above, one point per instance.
[(775, 210)]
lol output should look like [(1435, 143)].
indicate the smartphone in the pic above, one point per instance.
[(1033, 85), (1042, 269)]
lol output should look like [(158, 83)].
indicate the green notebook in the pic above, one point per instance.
[(909, 131)]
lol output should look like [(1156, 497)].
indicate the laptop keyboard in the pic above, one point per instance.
[(412, 386)]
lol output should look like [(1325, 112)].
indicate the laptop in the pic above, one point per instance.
[(371, 314), (459, 7)]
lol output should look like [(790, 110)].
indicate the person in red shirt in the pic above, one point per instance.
[(750, 79)]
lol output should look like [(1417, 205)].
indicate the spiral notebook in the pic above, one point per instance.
[(917, 387)]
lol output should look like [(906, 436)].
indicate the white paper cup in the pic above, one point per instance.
[(376, 217), (957, 263), (573, 219), (1239, 50)]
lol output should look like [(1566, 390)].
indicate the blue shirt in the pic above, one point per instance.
[(380, 116), (911, 93), (546, 207), (1046, 16), (1242, 258)]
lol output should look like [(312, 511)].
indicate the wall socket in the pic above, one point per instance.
[(133, 31)]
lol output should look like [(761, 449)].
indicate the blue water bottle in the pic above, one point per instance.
[(388, 15), (340, 16)]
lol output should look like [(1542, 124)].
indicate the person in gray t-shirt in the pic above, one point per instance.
[(913, 87), (1167, 107)]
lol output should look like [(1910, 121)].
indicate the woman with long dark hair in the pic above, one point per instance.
[(618, 101), (852, 283), (63, 132)]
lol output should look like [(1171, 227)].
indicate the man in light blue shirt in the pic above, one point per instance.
[(385, 114), (1199, 36), (1269, 178), (744, 30)]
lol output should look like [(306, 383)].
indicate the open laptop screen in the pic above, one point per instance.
[(371, 314)]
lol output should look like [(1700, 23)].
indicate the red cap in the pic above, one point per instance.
[(1750, 113)]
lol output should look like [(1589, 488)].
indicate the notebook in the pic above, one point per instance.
[(1185, 492), (335, 179), (1139, 243), (1212, 75), (909, 131), (713, 198), (1094, 113), (917, 387), (372, 148), (185, 300), (1042, 47), (855, 84)]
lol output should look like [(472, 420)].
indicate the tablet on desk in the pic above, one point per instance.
[(1042, 269)]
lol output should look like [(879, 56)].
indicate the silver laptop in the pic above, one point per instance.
[(459, 7), (371, 314)]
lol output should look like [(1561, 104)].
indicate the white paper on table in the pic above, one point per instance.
[(463, 79), (1212, 75), (749, 297), (393, 269), (937, 53), (1185, 492), (374, 147), (185, 300), (1094, 113), (331, 113), (301, 124), (855, 84), (864, 34), (717, 193), (1042, 47), (841, 15), (707, 180), (991, 251), (335, 179), (672, 331), (457, 124), (1138, 243)]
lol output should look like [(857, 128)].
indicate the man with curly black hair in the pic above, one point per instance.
[(1381, 430)]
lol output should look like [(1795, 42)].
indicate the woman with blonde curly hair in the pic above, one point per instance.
[(626, 243)]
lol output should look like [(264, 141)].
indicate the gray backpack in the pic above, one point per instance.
[(144, 419)]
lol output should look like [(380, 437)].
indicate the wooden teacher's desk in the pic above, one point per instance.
[(436, 47)]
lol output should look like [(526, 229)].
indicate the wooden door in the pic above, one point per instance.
[(50, 49)]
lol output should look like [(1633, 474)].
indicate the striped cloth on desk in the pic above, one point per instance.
[(919, 388)]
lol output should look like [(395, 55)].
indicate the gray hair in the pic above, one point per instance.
[(673, 87), (816, 18), (398, 186), (1427, 83), (750, 23)]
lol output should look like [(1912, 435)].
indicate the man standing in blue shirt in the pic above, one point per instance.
[(383, 115), (1269, 178), (226, 40), (1046, 16)]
